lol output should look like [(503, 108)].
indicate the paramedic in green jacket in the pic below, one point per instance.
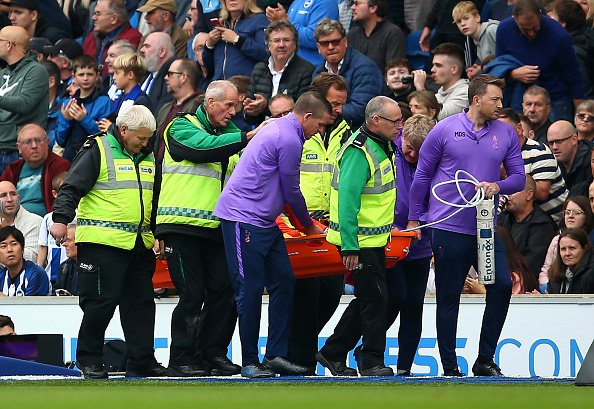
[(362, 202)]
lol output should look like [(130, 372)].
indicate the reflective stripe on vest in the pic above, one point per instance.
[(189, 191), (118, 207), (378, 199), (317, 167)]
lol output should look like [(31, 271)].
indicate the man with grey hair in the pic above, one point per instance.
[(362, 203), (159, 53), (160, 17), (363, 76), (112, 177), (194, 168), (110, 23)]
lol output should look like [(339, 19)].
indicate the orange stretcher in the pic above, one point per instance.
[(312, 256)]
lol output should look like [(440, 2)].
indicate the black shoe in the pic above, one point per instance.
[(403, 372), (154, 371), (489, 369), (187, 371), (222, 366), (283, 366), (336, 368), (96, 371), (378, 370), (453, 372), (256, 371)]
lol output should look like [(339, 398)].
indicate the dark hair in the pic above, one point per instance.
[(478, 85), (85, 61), (515, 260), (190, 67), (327, 26), (399, 62), (510, 114), (584, 204), (557, 271), (312, 102), (6, 321), (524, 7), (52, 70), (452, 50), (382, 7), (8, 231), (278, 26), (570, 13), (325, 80)]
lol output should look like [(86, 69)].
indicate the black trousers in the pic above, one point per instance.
[(315, 301), (111, 277), (366, 314), (406, 283), (203, 321)]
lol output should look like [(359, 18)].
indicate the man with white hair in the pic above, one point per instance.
[(112, 178), (195, 165), (159, 53)]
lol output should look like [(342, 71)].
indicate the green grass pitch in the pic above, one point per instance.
[(198, 395)]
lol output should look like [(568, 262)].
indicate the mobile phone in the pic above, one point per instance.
[(215, 22)]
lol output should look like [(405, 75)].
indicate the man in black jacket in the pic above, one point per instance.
[(26, 14), (530, 227), (283, 73), (159, 53)]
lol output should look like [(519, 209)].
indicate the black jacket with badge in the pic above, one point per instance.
[(83, 175)]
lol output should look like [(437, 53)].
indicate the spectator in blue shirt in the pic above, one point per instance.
[(19, 277)]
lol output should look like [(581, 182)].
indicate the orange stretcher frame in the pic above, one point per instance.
[(312, 256)]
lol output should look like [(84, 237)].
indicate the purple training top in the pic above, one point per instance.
[(453, 145), (267, 177)]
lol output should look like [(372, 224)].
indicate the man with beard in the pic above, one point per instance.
[(158, 52), (473, 141)]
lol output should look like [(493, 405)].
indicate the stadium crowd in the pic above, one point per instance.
[(123, 122)]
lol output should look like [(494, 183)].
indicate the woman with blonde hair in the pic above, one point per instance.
[(236, 43)]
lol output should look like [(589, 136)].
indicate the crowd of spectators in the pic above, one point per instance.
[(70, 66)]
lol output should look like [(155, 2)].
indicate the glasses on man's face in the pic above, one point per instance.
[(395, 122), (29, 142), (584, 117), (327, 43), (558, 142), (283, 113), (170, 73), (573, 212)]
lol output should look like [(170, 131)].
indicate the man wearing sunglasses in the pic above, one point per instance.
[(363, 76), (572, 154)]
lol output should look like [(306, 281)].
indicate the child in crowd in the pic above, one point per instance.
[(482, 35), (80, 114), (128, 71), (242, 83), (50, 255)]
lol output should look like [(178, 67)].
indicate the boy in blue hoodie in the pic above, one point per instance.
[(78, 117)]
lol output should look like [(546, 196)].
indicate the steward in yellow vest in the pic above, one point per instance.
[(112, 177), (195, 165), (317, 298), (361, 216)]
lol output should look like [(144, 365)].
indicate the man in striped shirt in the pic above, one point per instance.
[(539, 163)]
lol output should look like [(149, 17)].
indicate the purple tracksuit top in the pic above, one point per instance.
[(453, 145), (267, 177)]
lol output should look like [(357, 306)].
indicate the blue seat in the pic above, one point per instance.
[(417, 58)]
